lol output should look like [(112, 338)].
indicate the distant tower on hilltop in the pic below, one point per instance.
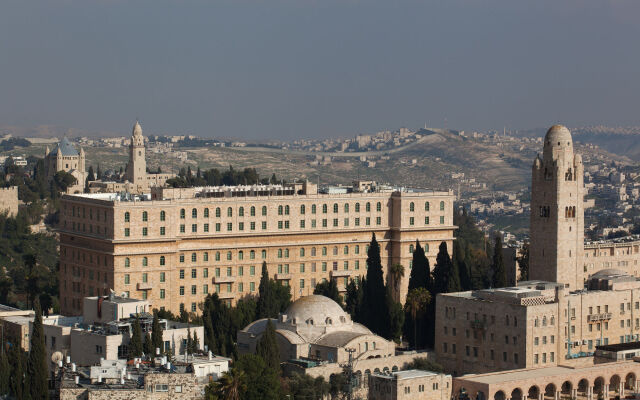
[(136, 172), (557, 213)]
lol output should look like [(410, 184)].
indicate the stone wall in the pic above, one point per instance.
[(9, 200)]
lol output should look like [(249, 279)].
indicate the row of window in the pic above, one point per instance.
[(474, 352), (282, 210)]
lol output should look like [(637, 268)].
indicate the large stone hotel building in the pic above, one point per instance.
[(172, 247)]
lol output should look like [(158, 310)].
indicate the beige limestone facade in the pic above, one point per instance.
[(178, 245), (409, 385), (9, 200), (557, 212), (622, 254), (64, 157), (537, 324)]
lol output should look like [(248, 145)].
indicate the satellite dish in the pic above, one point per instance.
[(57, 356)]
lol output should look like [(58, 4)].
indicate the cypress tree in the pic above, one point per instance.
[(5, 371), (445, 274), (354, 299), (156, 333), (420, 275), (499, 273), (267, 348), (195, 342), (209, 333), (148, 345), (460, 263), (189, 348), (17, 384), (37, 364), (523, 262), (135, 345), (329, 289), (376, 315), (266, 301)]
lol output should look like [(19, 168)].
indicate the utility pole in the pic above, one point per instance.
[(348, 371)]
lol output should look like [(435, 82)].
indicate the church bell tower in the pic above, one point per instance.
[(137, 167)]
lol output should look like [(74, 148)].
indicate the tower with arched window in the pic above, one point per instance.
[(557, 212)]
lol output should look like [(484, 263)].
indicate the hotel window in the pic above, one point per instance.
[(357, 264), (206, 227), (252, 286), (264, 225), (279, 253), (346, 207), (217, 227), (264, 254), (218, 212), (264, 211), (286, 224), (368, 207), (301, 283), (181, 258), (302, 268), (127, 262), (240, 270), (324, 251), (426, 220), (324, 223), (194, 228), (367, 221), (412, 207), (217, 272), (229, 212), (162, 260), (302, 209), (240, 287), (378, 206), (145, 278), (162, 277), (346, 266), (194, 213), (228, 287), (162, 293), (181, 274), (252, 270), (126, 279), (194, 257), (194, 273), (182, 213), (280, 210), (162, 231), (335, 250), (241, 255), (252, 255), (182, 230), (205, 273), (193, 289), (241, 212), (205, 289), (442, 220), (286, 210), (313, 209), (181, 290), (411, 221), (302, 224), (228, 255), (240, 226), (345, 250), (426, 206), (357, 207), (229, 226), (335, 222), (335, 207), (357, 221), (145, 216), (126, 232), (252, 225), (217, 256), (145, 261), (324, 208), (127, 217), (313, 223), (206, 213), (378, 220), (442, 206), (324, 267)]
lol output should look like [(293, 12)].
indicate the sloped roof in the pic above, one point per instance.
[(64, 148), (338, 339)]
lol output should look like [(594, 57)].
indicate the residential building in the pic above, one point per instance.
[(410, 384)]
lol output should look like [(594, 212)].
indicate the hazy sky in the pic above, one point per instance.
[(297, 68)]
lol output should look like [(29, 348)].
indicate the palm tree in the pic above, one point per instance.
[(417, 299), (231, 385), (396, 273)]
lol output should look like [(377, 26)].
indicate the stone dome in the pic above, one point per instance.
[(316, 310), (137, 129), (558, 134), (608, 272)]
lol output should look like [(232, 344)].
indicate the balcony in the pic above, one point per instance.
[(282, 276), (224, 279), (599, 317), (144, 286), (340, 273), (477, 324)]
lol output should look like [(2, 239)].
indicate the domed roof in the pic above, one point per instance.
[(557, 134), (137, 129), (608, 272), (316, 310)]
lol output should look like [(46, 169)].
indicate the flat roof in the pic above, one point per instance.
[(407, 374), (620, 346)]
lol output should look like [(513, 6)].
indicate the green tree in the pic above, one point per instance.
[(148, 345), (304, 386), (5, 370), (396, 316), (267, 307), (376, 315), (267, 347), (420, 275), (189, 349), (264, 382), (417, 300), (353, 301), (396, 273), (231, 386), (523, 262), (445, 276), (17, 383), (499, 273), (460, 263), (135, 345), (37, 362), (329, 289), (195, 343), (156, 333), (424, 364)]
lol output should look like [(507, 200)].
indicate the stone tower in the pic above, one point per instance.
[(137, 167), (557, 214)]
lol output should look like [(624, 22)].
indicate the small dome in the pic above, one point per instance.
[(558, 135), (316, 310), (137, 129)]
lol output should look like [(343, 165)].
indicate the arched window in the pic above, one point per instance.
[(544, 321), (412, 207), (442, 206), (205, 256), (264, 254), (286, 210), (426, 206), (241, 255), (264, 210), (335, 207), (229, 212), (328, 321), (426, 247), (279, 253), (280, 210), (335, 250), (194, 213), (378, 206), (357, 207), (536, 322), (145, 261), (553, 320), (252, 211), (217, 212), (301, 251), (252, 254), (324, 251), (145, 216), (229, 255), (324, 208), (217, 256), (313, 252), (241, 212), (163, 215), (357, 249), (194, 257), (286, 253), (346, 207), (162, 260), (127, 217), (182, 213), (206, 213), (368, 207), (313, 209), (302, 209), (411, 249), (127, 262)]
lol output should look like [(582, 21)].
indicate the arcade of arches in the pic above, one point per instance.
[(601, 381)]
